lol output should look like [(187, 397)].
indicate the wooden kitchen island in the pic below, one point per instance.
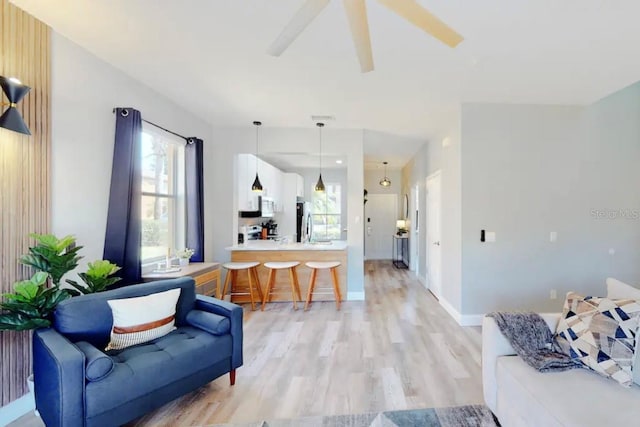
[(265, 251)]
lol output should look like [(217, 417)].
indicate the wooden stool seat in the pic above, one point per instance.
[(279, 265), (240, 265), (293, 280), (323, 265), (232, 278)]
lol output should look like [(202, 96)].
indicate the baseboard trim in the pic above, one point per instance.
[(461, 319), (471, 320), (355, 296), (449, 309), (16, 409)]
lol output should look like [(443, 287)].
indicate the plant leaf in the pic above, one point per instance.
[(80, 289)]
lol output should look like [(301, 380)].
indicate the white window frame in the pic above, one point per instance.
[(325, 214), (176, 195)]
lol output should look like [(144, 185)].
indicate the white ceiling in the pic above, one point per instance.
[(210, 57), (289, 162)]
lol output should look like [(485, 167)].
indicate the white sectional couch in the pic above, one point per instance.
[(521, 396)]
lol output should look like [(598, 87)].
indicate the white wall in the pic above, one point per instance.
[(372, 179), (85, 89), (431, 158), (530, 170), (221, 215)]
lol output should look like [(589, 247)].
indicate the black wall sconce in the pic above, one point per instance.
[(11, 118)]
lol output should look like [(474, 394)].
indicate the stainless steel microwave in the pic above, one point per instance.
[(265, 208)]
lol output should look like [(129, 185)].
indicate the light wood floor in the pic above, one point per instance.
[(397, 350)]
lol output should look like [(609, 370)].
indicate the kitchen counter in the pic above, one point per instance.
[(268, 245), (265, 251), (205, 274)]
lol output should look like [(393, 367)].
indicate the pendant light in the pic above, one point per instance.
[(385, 182), (257, 186), (320, 185)]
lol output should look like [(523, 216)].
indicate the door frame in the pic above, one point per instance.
[(414, 240), (438, 292)]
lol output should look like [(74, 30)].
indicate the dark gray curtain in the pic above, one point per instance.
[(123, 237), (195, 194)]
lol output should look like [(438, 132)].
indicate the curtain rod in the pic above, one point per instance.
[(167, 130), (164, 129)]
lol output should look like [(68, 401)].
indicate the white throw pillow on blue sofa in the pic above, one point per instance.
[(620, 290)]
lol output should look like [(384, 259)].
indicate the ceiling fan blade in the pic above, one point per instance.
[(357, 14), (425, 20), (298, 23)]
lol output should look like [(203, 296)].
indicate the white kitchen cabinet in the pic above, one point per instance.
[(299, 185), (271, 179), (287, 217), (267, 178), (245, 169), (278, 178)]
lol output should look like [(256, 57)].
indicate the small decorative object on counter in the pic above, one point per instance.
[(184, 256), (401, 225)]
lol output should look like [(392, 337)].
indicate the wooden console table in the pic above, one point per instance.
[(206, 275)]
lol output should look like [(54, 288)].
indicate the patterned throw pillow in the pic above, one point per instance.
[(142, 319), (600, 333)]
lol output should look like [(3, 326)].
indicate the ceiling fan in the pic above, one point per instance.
[(356, 11)]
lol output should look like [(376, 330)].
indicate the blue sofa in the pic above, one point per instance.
[(77, 384)]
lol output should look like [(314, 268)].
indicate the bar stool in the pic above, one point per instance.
[(293, 279), (318, 265), (232, 279)]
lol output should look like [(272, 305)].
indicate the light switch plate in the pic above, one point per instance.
[(490, 236), (553, 236)]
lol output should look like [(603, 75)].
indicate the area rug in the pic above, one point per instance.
[(459, 416)]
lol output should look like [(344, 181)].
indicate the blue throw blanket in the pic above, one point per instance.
[(533, 341)]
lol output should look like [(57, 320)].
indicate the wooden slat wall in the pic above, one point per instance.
[(25, 195)]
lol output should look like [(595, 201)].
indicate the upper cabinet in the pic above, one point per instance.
[(246, 170), (299, 186), (271, 179), (292, 188)]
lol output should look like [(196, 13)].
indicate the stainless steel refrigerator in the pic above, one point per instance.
[(304, 224)]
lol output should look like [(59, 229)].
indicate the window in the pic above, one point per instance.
[(163, 199), (327, 213)]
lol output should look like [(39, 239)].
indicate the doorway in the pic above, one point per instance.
[(434, 234), (380, 225)]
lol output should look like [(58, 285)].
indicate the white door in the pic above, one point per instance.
[(434, 247), (414, 240), (381, 212)]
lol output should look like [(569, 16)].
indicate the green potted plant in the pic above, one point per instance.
[(96, 278), (184, 256), (31, 304), (53, 256)]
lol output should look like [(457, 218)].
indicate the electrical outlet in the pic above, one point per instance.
[(553, 294)]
